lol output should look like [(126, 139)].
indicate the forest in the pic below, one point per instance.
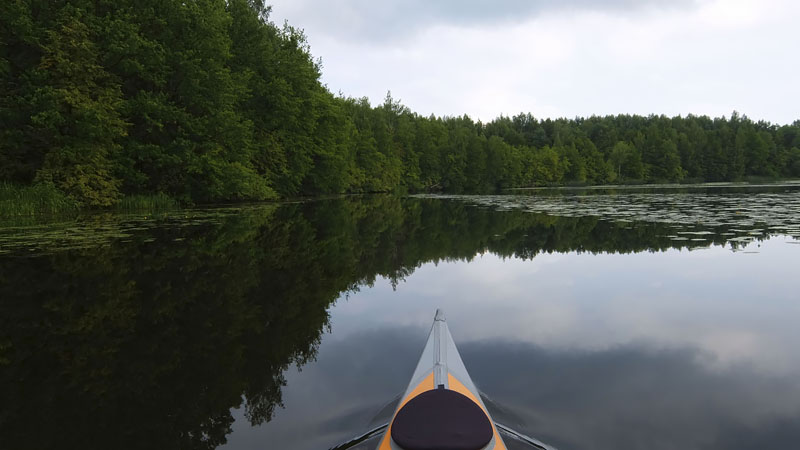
[(210, 101)]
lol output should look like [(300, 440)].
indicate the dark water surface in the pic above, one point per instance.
[(590, 320)]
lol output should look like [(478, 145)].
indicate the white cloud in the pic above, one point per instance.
[(709, 59), (702, 300), (391, 20)]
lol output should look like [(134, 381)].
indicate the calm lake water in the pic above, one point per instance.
[(591, 319)]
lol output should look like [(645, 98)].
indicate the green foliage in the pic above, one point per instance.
[(793, 162), (74, 122), (156, 202), (627, 162), (38, 199)]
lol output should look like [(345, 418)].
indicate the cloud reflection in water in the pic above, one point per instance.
[(648, 350)]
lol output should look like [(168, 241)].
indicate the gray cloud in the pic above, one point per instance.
[(387, 20), (559, 58)]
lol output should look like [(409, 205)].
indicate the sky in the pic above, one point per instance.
[(560, 58)]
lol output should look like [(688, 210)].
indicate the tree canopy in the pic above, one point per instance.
[(208, 100)]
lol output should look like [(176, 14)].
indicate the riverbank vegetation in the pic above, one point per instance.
[(209, 101), (154, 203), (45, 199), (34, 200)]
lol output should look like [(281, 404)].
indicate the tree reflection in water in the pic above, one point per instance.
[(148, 342)]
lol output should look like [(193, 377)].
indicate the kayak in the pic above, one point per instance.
[(441, 408)]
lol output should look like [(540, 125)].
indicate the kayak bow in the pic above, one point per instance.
[(441, 408)]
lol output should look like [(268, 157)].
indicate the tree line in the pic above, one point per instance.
[(208, 100)]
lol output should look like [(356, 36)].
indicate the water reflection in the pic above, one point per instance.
[(636, 396), (678, 349), (627, 397), (171, 333)]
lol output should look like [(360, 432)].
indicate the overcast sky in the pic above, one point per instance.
[(560, 58)]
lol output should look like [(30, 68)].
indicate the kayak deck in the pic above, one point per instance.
[(451, 413)]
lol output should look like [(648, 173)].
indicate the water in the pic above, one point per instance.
[(623, 319)]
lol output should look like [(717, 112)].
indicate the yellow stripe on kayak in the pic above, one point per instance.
[(423, 386), (461, 389)]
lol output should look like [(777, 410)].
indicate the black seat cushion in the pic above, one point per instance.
[(441, 419)]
